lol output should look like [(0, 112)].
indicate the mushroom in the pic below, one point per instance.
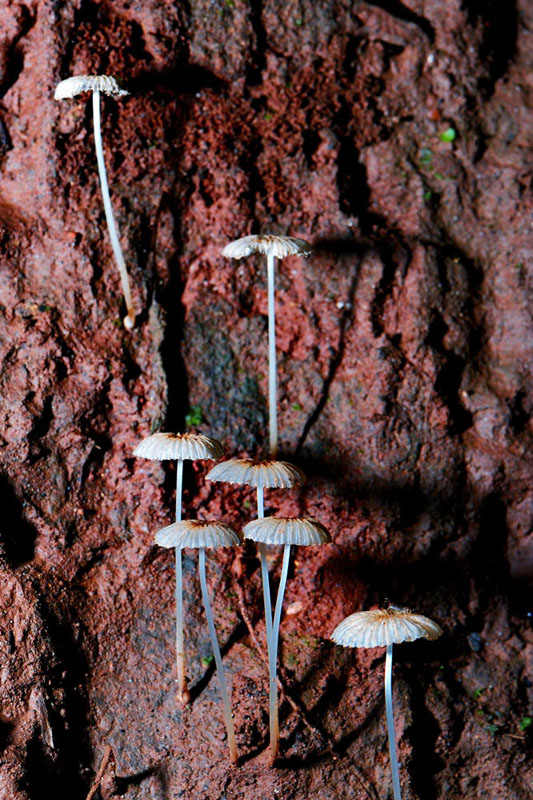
[(263, 475), (200, 535), (179, 447), (273, 247), (383, 627), (109, 86), (277, 530)]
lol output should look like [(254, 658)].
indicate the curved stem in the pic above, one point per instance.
[(264, 570), (183, 692), (218, 659), (390, 725), (273, 657), (129, 320), (272, 376)]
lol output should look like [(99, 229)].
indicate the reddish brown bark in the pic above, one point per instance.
[(404, 349)]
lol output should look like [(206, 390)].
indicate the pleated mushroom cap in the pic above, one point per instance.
[(88, 83), (383, 626), (267, 244), (197, 533), (262, 474), (173, 446), (279, 530)]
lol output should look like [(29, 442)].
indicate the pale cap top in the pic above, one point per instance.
[(197, 533), (281, 530), (384, 626), (266, 474), (88, 83), (174, 446), (267, 244)]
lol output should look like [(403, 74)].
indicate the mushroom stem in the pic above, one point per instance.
[(272, 378), (218, 659), (183, 692), (129, 320), (273, 657), (390, 724), (264, 569)]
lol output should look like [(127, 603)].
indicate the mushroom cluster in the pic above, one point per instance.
[(374, 628)]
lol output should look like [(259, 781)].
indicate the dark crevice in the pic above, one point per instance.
[(169, 298), (257, 59), (423, 735), (499, 30), (17, 534), (14, 57), (58, 773), (449, 376), (402, 12)]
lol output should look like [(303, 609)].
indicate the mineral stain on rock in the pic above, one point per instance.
[(403, 351)]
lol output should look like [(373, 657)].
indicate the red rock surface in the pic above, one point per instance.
[(404, 363)]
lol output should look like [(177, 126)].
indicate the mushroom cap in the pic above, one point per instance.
[(266, 474), (278, 246), (88, 83), (281, 530), (198, 533), (383, 626), (173, 446)]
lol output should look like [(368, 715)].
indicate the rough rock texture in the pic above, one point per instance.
[(404, 367)]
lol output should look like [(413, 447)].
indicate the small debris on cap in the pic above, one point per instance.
[(262, 474), (281, 530), (173, 446), (384, 626), (88, 83), (277, 246)]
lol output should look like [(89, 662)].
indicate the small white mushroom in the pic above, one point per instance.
[(263, 475), (273, 247), (179, 447), (272, 531), (108, 85), (383, 627), (201, 534)]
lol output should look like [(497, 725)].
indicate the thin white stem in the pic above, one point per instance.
[(218, 659), (273, 657), (264, 570), (390, 725), (183, 692), (129, 320), (272, 369)]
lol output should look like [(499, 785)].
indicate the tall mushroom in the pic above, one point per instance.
[(263, 475), (273, 247), (179, 447), (200, 535), (108, 85), (286, 532), (383, 627)]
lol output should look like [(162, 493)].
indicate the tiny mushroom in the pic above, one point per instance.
[(383, 627), (108, 85), (263, 475), (286, 532), (179, 447), (273, 247), (200, 535)]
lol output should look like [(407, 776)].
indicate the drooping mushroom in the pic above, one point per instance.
[(383, 627), (108, 85), (200, 535), (286, 532), (179, 447), (273, 247), (263, 475)]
